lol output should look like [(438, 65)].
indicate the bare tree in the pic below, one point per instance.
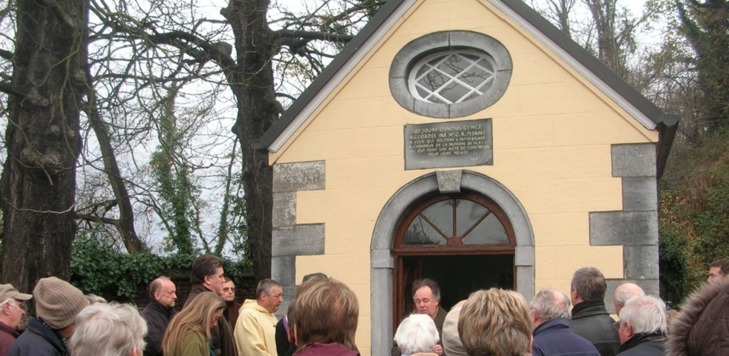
[(300, 44), (558, 12)]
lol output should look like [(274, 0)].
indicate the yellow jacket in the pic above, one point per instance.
[(255, 330)]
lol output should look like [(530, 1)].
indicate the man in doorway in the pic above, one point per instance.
[(255, 330), (208, 275), (157, 314), (426, 299), (718, 271), (11, 311), (589, 317)]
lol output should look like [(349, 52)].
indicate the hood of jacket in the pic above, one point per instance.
[(702, 326)]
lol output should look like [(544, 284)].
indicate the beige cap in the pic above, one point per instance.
[(451, 341), (7, 291), (57, 302)]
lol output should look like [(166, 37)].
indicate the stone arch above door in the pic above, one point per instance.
[(381, 262)]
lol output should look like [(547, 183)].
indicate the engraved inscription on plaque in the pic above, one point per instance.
[(448, 144)]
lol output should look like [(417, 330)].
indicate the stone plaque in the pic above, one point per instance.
[(448, 144)]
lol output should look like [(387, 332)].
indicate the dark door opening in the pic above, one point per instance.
[(457, 275), (464, 241)]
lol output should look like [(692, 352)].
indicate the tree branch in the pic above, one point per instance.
[(218, 52), (94, 218), (311, 36), (5, 54), (8, 88)]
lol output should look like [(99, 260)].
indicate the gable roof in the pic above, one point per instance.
[(643, 110)]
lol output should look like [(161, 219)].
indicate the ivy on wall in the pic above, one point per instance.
[(98, 268)]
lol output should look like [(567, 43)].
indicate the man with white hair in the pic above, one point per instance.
[(417, 335), (11, 311), (109, 329), (550, 312), (623, 293), (642, 326)]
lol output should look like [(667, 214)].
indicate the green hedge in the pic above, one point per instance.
[(98, 268)]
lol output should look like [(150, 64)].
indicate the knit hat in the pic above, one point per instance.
[(451, 341), (57, 302), (7, 291)]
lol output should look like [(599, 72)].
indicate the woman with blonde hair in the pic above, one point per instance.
[(188, 333)]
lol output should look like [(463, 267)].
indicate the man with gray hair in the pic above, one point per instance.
[(642, 327), (550, 312), (623, 293), (109, 329), (590, 319), (255, 330)]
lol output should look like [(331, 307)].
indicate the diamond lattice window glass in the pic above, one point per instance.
[(452, 77), (450, 74)]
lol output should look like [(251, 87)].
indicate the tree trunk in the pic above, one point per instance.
[(257, 109), (43, 140)]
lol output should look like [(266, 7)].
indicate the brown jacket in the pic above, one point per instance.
[(222, 336), (702, 327)]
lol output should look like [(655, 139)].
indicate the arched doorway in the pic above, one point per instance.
[(382, 261), (464, 241)]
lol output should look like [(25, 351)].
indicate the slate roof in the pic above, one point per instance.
[(666, 124)]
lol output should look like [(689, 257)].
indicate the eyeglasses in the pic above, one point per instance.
[(618, 324)]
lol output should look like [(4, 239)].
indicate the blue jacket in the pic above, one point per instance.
[(38, 340), (554, 337)]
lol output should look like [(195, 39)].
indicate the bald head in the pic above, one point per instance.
[(623, 293)]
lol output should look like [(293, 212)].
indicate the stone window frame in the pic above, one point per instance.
[(445, 41)]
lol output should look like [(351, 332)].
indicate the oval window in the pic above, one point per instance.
[(450, 74)]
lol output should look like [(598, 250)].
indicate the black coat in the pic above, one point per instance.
[(284, 347), (591, 321), (157, 317), (38, 340), (644, 345)]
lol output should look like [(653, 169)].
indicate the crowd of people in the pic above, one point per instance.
[(322, 320)]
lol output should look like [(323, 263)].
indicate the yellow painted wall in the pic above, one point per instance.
[(552, 132)]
